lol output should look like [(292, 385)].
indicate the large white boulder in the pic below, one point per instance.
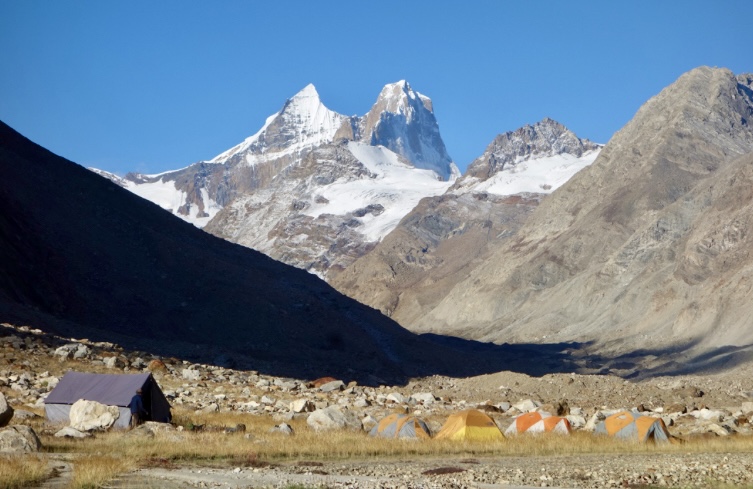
[(332, 418), (91, 415)]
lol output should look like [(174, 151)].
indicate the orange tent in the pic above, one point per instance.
[(632, 426), (539, 423), (471, 425), (401, 426)]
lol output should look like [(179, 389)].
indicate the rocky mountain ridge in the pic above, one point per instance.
[(644, 249)]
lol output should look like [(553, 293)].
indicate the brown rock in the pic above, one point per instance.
[(157, 365), (676, 408), (321, 381)]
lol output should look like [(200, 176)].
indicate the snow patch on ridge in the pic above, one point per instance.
[(165, 195), (396, 186), (536, 175)]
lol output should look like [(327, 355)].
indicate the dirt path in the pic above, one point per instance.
[(62, 472)]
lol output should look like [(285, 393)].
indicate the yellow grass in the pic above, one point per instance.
[(260, 445), (94, 470), (22, 471)]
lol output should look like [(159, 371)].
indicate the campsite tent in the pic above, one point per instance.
[(538, 423), (401, 426), (471, 425), (632, 426), (110, 389)]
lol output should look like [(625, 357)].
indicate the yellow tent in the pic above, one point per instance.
[(470, 425)]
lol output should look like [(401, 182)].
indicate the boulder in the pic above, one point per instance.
[(210, 408), (283, 428), (708, 414), (19, 439), (747, 407), (332, 418), (23, 415), (425, 398), (82, 351), (396, 397), (91, 415), (69, 432), (335, 385), (113, 362), (72, 350), (191, 374), (301, 406), (526, 406), (6, 412), (368, 422), (676, 408), (321, 381), (157, 366)]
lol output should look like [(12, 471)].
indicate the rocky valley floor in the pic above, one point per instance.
[(710, 413)]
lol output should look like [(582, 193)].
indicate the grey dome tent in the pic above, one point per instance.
[(110, 389)]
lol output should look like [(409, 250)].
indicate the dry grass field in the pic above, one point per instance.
[(258, 447)]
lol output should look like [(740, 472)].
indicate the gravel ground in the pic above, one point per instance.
[(583, 471)]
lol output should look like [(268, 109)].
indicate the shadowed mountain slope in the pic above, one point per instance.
[(83, 257)]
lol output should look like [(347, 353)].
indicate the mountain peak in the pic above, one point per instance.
[(303, 122), (308, 92), (545, 138), (399, 98), (403, 121)]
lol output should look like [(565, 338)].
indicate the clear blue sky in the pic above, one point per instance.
[(157, 85)]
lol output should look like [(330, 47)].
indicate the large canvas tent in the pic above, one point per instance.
[(110, 389), (633, 426)]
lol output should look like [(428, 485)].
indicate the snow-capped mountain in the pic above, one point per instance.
[(403, 121), (536, 158), (312, 187), (333, 207), (444, 237), (302, 123)]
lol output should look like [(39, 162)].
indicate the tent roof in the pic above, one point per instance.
[(109, 389)]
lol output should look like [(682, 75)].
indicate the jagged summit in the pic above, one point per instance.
[(542, 139), (396, 98), (303, 122), (403, 121)]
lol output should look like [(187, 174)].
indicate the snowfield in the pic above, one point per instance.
[(397, 187)]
